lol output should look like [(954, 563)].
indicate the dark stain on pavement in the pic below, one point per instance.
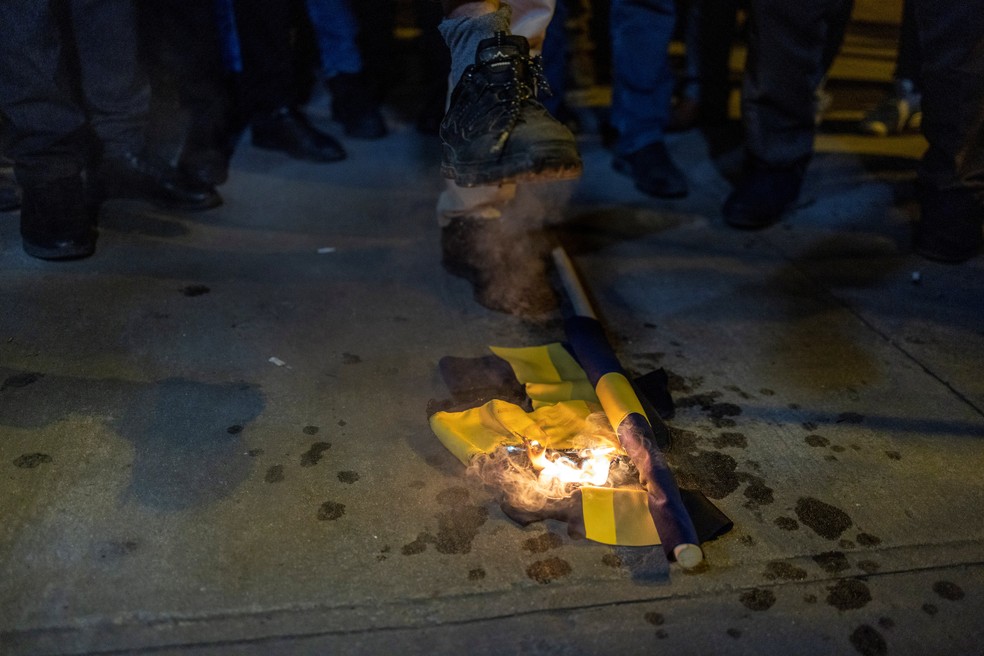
[(868, 566), (195, 290), (453, 496), (886, 622), (31, 460), (543, 542), (714, 473), (313, 456), (274, 474), (949, 591), (930, 609), (837, 448), (342, 423), (330, 511), (849, 594), (417, 546), (893, 455), (183, 453), (868, 540), (758, 599), (551, 569), (868, 641), (730, 441), (734, 633), (817, 440), (115, 549), (351, 358), (849, 418), (611, 560), (785, 571), (825, 520), (757, 492), (476, 574), (310, 430), (348, 477), (832, 562), (656, 619), (20, 380), (786, 523), (235, 429), (458, 527)]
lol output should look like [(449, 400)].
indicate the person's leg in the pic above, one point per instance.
[(785, 54), (951, 174), (641, 91), (900, 109), (47, 131), (268, 73), (352, 102)]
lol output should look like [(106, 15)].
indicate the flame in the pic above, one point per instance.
[(590, 468)]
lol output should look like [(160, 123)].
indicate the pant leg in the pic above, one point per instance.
[(642, 81), (116, 89), (46, 123), (951, 37), (908, 61), (335, 30), (263, 27), (785, 52)]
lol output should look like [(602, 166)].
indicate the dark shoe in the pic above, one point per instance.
[(763, 195), (496, 130), (507, 269), (653, 171), (10, 195), (289, 131), (898, 112), (208, 167), (56, 223), (950, 224), (353, 105), (141, 178)]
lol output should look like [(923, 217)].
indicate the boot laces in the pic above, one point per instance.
[(519, 92)]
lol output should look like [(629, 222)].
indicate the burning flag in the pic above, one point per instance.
[(584, 451)]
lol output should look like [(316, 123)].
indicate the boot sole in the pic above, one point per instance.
[(556, 163), (74, 252)]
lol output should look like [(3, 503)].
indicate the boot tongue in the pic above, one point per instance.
[(501, 47)]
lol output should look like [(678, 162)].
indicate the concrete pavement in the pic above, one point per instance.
[(168, 488)]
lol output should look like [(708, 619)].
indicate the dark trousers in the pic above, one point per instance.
[(787, 51), (67, 69), (951, 40)]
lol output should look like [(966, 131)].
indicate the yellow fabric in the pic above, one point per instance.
[(549, 373), (562, 400), (483, 429), (618, 398), (618, 516)]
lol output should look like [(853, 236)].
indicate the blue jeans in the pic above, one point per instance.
[(642, 83), (335, 30)]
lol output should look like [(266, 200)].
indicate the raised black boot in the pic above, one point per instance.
[(496, 130)]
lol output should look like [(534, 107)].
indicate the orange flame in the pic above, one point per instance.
[(553, 466)]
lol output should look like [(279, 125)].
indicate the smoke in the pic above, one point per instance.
[(509, 475)]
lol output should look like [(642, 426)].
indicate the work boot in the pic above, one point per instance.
[(143, 178), (353, 105), (496, 130), (55, 222), (289, 131), (950, 225), (653, 171), (763, 195), (506, 268)]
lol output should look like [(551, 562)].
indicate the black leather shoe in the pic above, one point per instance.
[(353, 105), (289, 131), (138, 177), (763, 195), (653, 171), (950, 224), (55, 222)]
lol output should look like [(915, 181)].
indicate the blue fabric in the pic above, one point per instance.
[(336, 30), (591, 348), (642, 82), (232, 56)]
